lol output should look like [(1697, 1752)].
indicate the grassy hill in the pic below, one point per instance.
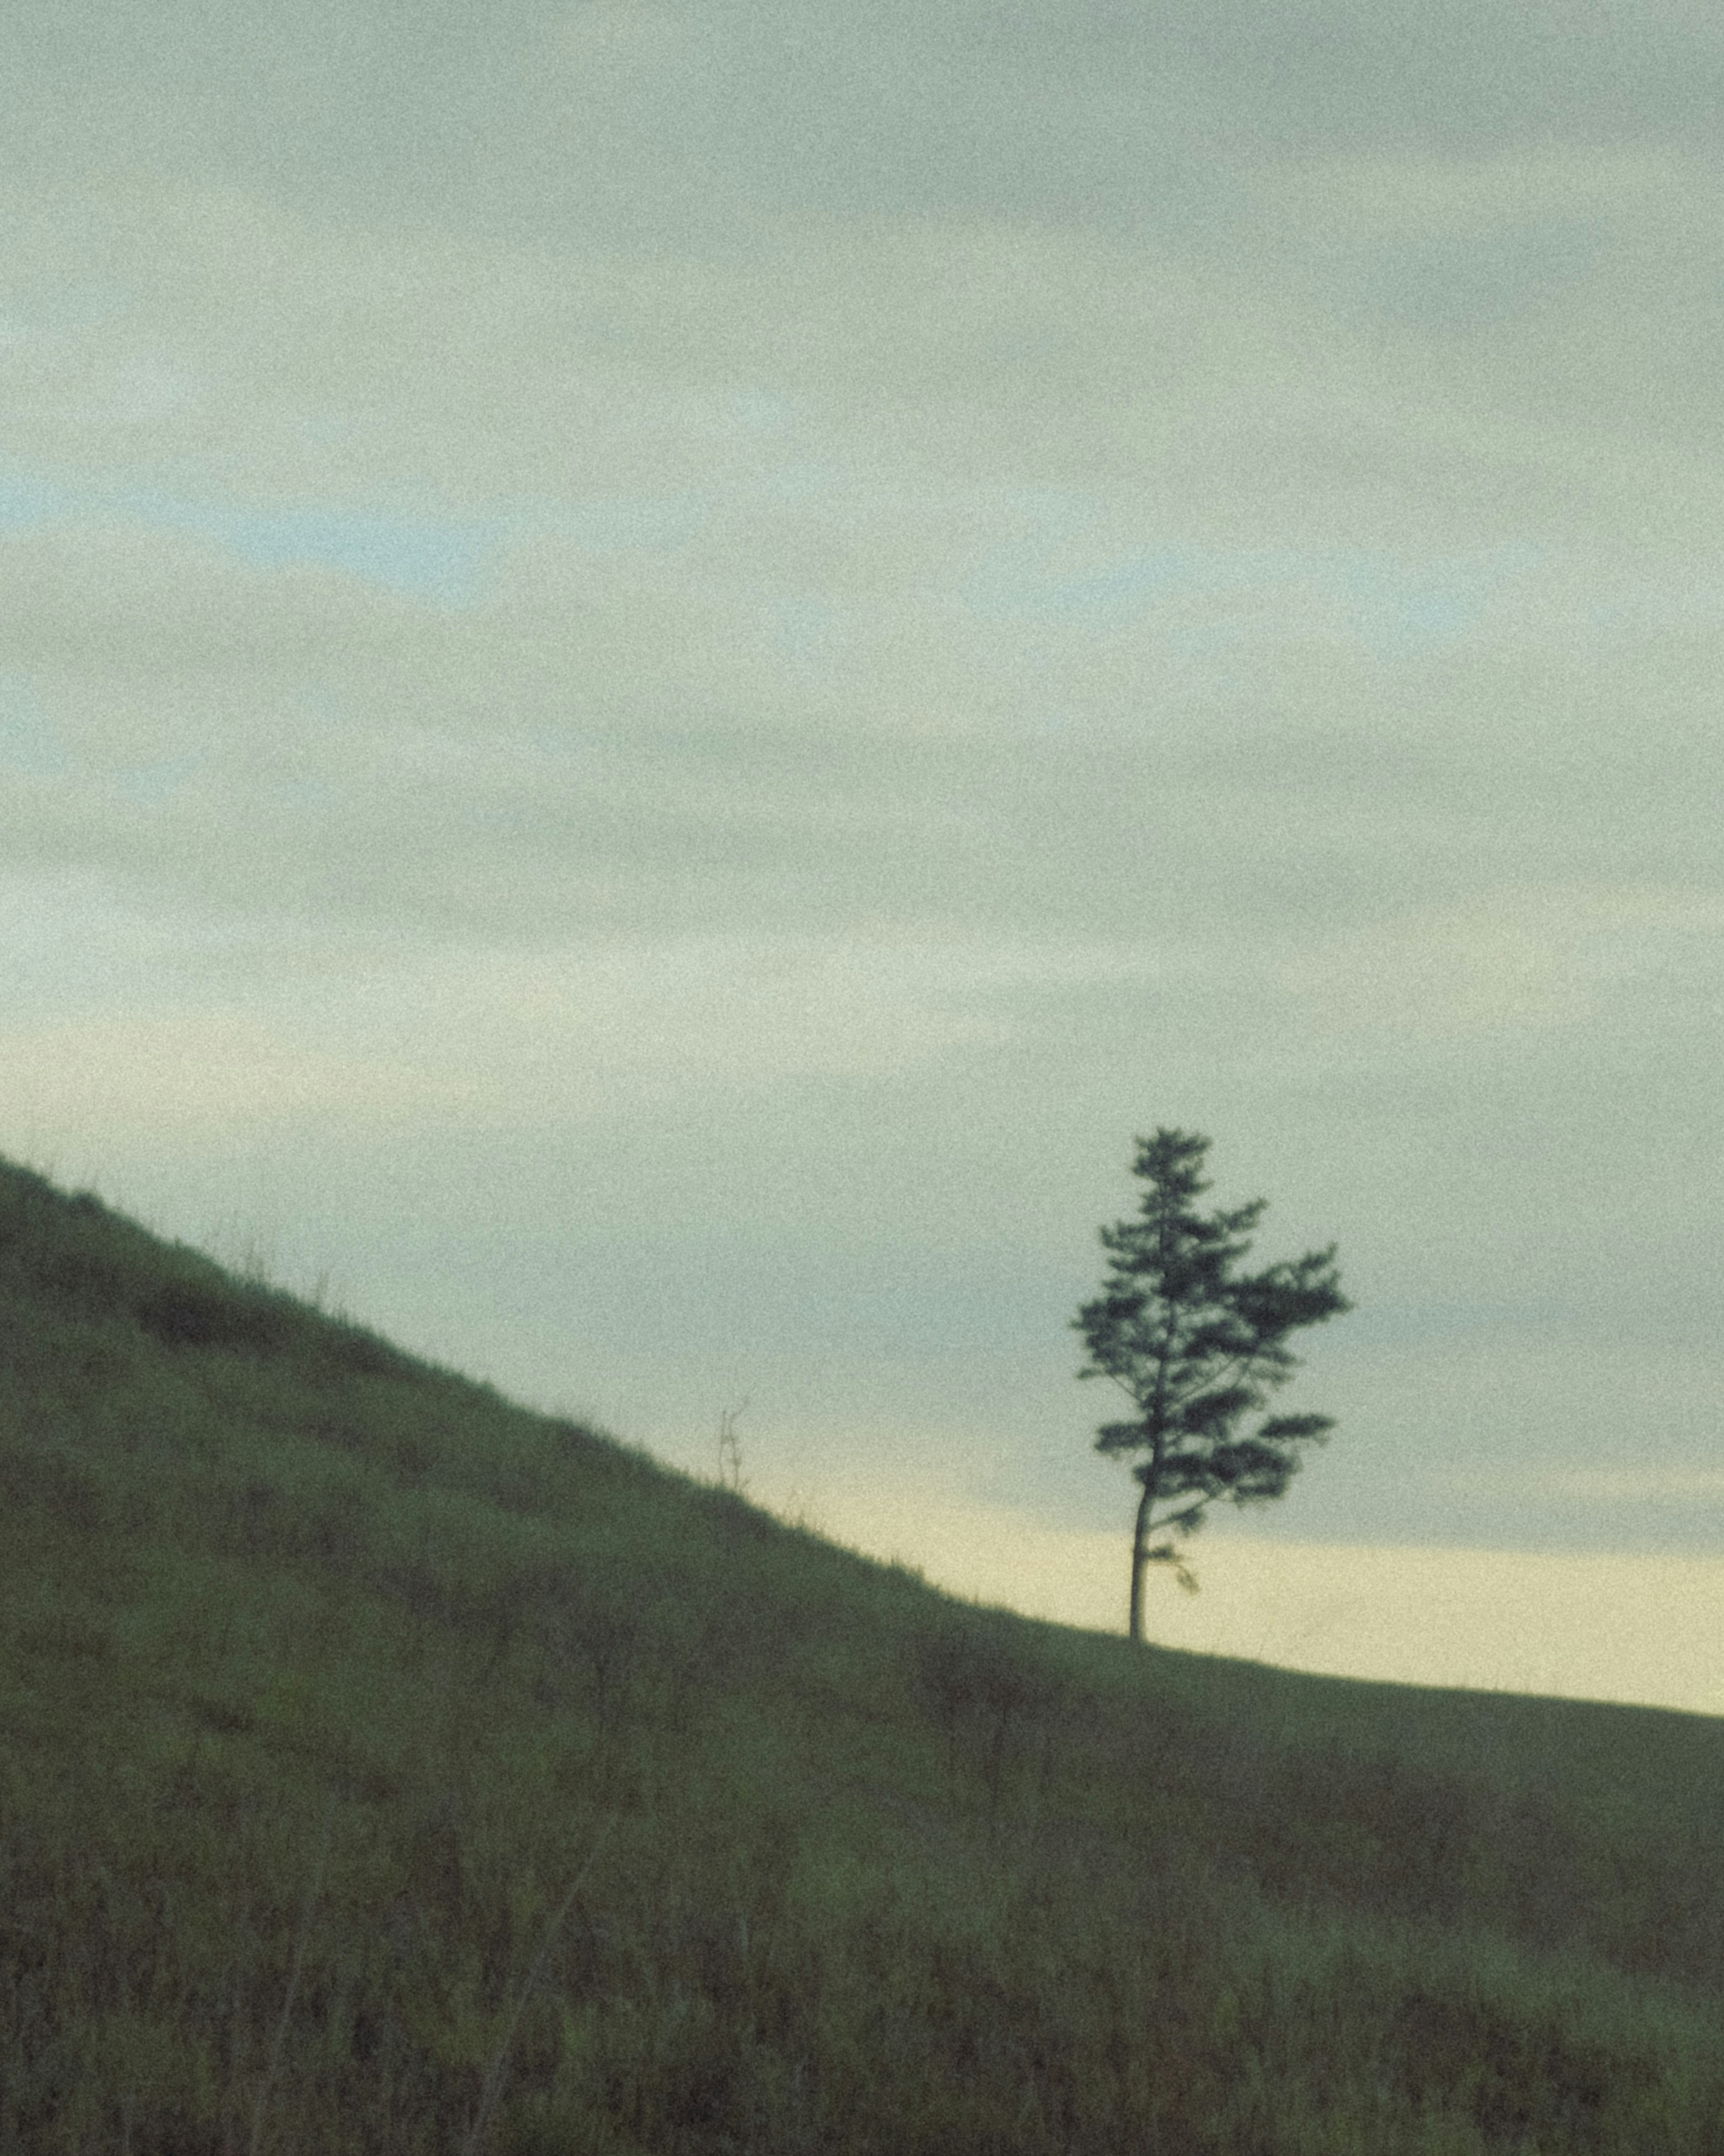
[(384, 1767)]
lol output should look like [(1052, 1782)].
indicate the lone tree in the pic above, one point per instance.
[(1195, 1348)]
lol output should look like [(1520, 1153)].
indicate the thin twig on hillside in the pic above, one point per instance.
[(293, 1980), (493, 2088)]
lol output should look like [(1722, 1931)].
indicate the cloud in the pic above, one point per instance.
[(1654, 1483), (1548, 957), (920, 588), (180, 1077), (705, 1013), (631, 31)]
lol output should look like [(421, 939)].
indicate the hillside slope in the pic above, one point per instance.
[(386, 1768)]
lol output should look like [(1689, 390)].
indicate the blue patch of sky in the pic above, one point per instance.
[(24, 502), (1394, 604), (150, 784), (438, 560), (422, 558), (803, 628), (1435, 601), (31, 746)]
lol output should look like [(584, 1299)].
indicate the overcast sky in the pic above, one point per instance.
[(663, 670)]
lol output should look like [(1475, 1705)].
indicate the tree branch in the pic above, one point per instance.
[(1241, 1363), (1183, 1516)]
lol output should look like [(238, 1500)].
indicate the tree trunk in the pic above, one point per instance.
[(1140, 1539)]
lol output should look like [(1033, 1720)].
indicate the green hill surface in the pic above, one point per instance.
[(386, 1768)]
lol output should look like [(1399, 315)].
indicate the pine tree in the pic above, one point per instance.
[(1195, 1348)]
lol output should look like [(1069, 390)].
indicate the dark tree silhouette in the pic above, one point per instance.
[(1194, 1348)]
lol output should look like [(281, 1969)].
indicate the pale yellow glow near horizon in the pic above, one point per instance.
[(1640, 1630)]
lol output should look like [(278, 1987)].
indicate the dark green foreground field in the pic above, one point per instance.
[(384, 1767)]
